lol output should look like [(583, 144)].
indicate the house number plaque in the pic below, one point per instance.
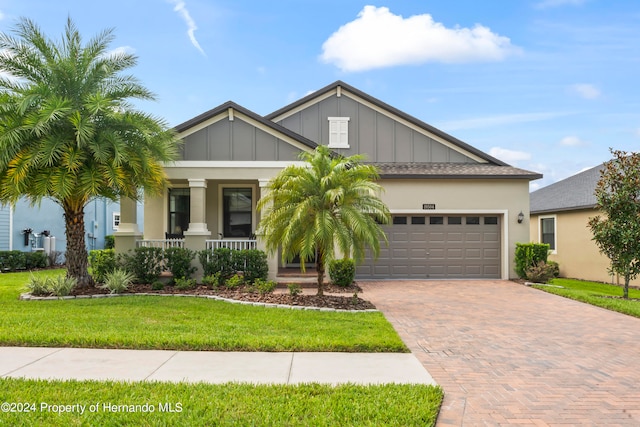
[(429, 206)]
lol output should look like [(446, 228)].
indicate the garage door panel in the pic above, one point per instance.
[(400, 253), (454, 253), (490, 253), (437, 250), (473, 253), (435, 255), (473, 270)]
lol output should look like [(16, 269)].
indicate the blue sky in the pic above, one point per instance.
[(546, 85)]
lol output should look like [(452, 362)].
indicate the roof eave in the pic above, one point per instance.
[(568, 209), (458, 176)]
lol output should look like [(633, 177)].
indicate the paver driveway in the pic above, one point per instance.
[(506, 354)]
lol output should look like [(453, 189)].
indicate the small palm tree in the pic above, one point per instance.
[(68, 131), (331, 202)]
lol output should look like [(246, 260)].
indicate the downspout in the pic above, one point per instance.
[(105, 221), (11, 207)]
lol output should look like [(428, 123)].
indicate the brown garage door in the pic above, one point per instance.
[(437, 247)]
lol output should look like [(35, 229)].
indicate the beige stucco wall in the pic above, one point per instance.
[(577, 255)]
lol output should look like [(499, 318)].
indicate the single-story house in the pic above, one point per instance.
[(560, 213), (457, 212)]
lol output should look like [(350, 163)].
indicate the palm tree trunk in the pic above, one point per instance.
[(320, 271), (76, 255)]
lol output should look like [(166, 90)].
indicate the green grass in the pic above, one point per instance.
[(156, 322), (227, 404), (593, 293)]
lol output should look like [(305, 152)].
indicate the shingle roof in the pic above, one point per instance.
[(575, 192), (453, 170)]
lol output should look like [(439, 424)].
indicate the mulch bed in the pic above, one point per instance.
[(348, 301)]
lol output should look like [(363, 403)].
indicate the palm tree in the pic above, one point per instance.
[(331, 202), (68, 131)]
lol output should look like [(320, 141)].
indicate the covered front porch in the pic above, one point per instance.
[(199, 214)]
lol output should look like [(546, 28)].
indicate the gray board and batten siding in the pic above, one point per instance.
[(380, 131), (378, 136), (233, 133)]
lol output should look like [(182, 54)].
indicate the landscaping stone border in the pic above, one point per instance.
[(28, 297)]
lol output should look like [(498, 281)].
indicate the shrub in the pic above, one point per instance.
[(556, 268), (37, 259), (109, 241), (234, 281), (253, 264), (38, 286), (145, 263), (264, 286), (342, 271), (12, 260), (294, 289), (117, 281), (102, 262), (178, 261), (219, 260), (62, 286), (213, 280), (528, 255), (183, 283), (157, 285), (542, 272)]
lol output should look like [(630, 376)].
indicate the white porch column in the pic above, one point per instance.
[(128, 232), (198, 207), (272, 259), (197, 234)]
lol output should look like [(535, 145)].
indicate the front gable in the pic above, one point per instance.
[(232, 133), (381, 132)]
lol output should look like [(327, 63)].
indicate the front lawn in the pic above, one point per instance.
[(598, 294), (118, 403), (173, 323)]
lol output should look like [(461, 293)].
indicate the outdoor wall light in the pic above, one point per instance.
[(520, 217)]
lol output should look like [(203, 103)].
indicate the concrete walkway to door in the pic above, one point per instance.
[(506, 354)]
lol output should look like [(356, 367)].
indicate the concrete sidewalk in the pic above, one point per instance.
[(211, 367)]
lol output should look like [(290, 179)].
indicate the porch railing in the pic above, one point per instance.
[(209, 244), (231, 244), (161, 243)]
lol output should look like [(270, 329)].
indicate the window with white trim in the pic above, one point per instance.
[(548, 231), (339, 132), (116, 220)]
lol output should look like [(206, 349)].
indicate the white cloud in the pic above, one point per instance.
[(122, 50), (509, 156), (572, 141), (499, 120), (181, 8), (547, 4), (377, 38), (586, 91)]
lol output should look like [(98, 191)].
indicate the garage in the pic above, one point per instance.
[(438, 247)]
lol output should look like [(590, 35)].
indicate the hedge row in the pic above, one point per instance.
[(147, 264), (18, 260)]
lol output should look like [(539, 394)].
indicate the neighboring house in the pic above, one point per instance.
[(559, 216), (23, 227), (455, 209)]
